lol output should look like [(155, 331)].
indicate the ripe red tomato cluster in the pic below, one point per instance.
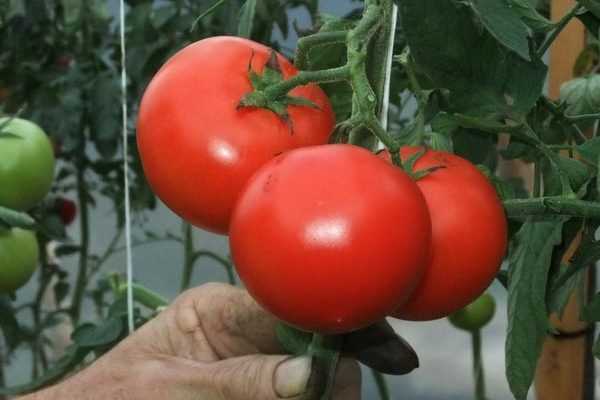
[(329, 238)]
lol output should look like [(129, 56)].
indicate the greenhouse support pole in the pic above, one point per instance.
[(565, 368)]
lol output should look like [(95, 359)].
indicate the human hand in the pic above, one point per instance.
[(213, 343)]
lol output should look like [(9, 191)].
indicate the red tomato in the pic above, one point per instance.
[(67, 210), (330, 238), (469, 236), (197, 148)]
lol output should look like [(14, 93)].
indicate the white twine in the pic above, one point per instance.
[(385, 106), (128, 252)]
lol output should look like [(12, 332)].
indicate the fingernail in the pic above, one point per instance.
[(291, 377)]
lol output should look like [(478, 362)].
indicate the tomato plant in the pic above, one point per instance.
[(474, 88), (198, 147), (26, 164), (18, 258), (475, 315), (322, 245), (469, 235)]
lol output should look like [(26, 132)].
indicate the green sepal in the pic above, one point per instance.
[(259, 97)]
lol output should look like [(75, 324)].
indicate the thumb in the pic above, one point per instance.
[(261, 377)]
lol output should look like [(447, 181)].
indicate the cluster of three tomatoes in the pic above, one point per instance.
[(329, 238)]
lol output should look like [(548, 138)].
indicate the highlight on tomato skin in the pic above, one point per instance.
[(469, 235), (198, 147), (325, 247)]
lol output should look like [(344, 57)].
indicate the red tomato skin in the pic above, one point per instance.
[(197, 148), (469, 236), (67, 210), (330, 238)]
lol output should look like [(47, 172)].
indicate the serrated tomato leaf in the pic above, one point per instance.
[(247, 13), (504, 23), (529, 263), (456, 54)]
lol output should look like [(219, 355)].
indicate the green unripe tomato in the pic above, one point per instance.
[(26, 164), (19, 252), (476, 315)]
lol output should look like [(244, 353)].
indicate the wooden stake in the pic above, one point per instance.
[(564, 367)]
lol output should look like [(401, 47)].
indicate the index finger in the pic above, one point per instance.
[(233, 322)]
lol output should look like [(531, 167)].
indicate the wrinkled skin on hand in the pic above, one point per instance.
[(213, 343)]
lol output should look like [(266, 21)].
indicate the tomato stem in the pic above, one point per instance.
[(478, 372), (325, 352), (304, 77), (365, 100), (382, 386), (143, 296), (188, 255), (82, 276), (306, 43), (420, 96), (552, 205), (562, 23)]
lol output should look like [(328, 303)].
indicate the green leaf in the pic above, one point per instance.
[(529, 263), (582, 95), (11, 218), (441, 142), (591, 311), (71, 11), (90, 335), (591, 22), (577, 173), (162, 15), (592, 5), (61, 290), (504, 23), (531, 16), (106, 114), (477, 147), (559, 297), (590, 150), (52, 226), (247, 13), (483, 76), (512, 188)]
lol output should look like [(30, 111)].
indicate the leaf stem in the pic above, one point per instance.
[(144, 296), (364, 112), (307, 43), (478, 372), (325, 352), (382, 386), (564, 21), (188, 255), (81, 282), (305, 77), (221, 260), (552, 205), (421, 99)]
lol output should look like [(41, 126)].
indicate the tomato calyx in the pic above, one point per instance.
[(260, 97), (409, 165)]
